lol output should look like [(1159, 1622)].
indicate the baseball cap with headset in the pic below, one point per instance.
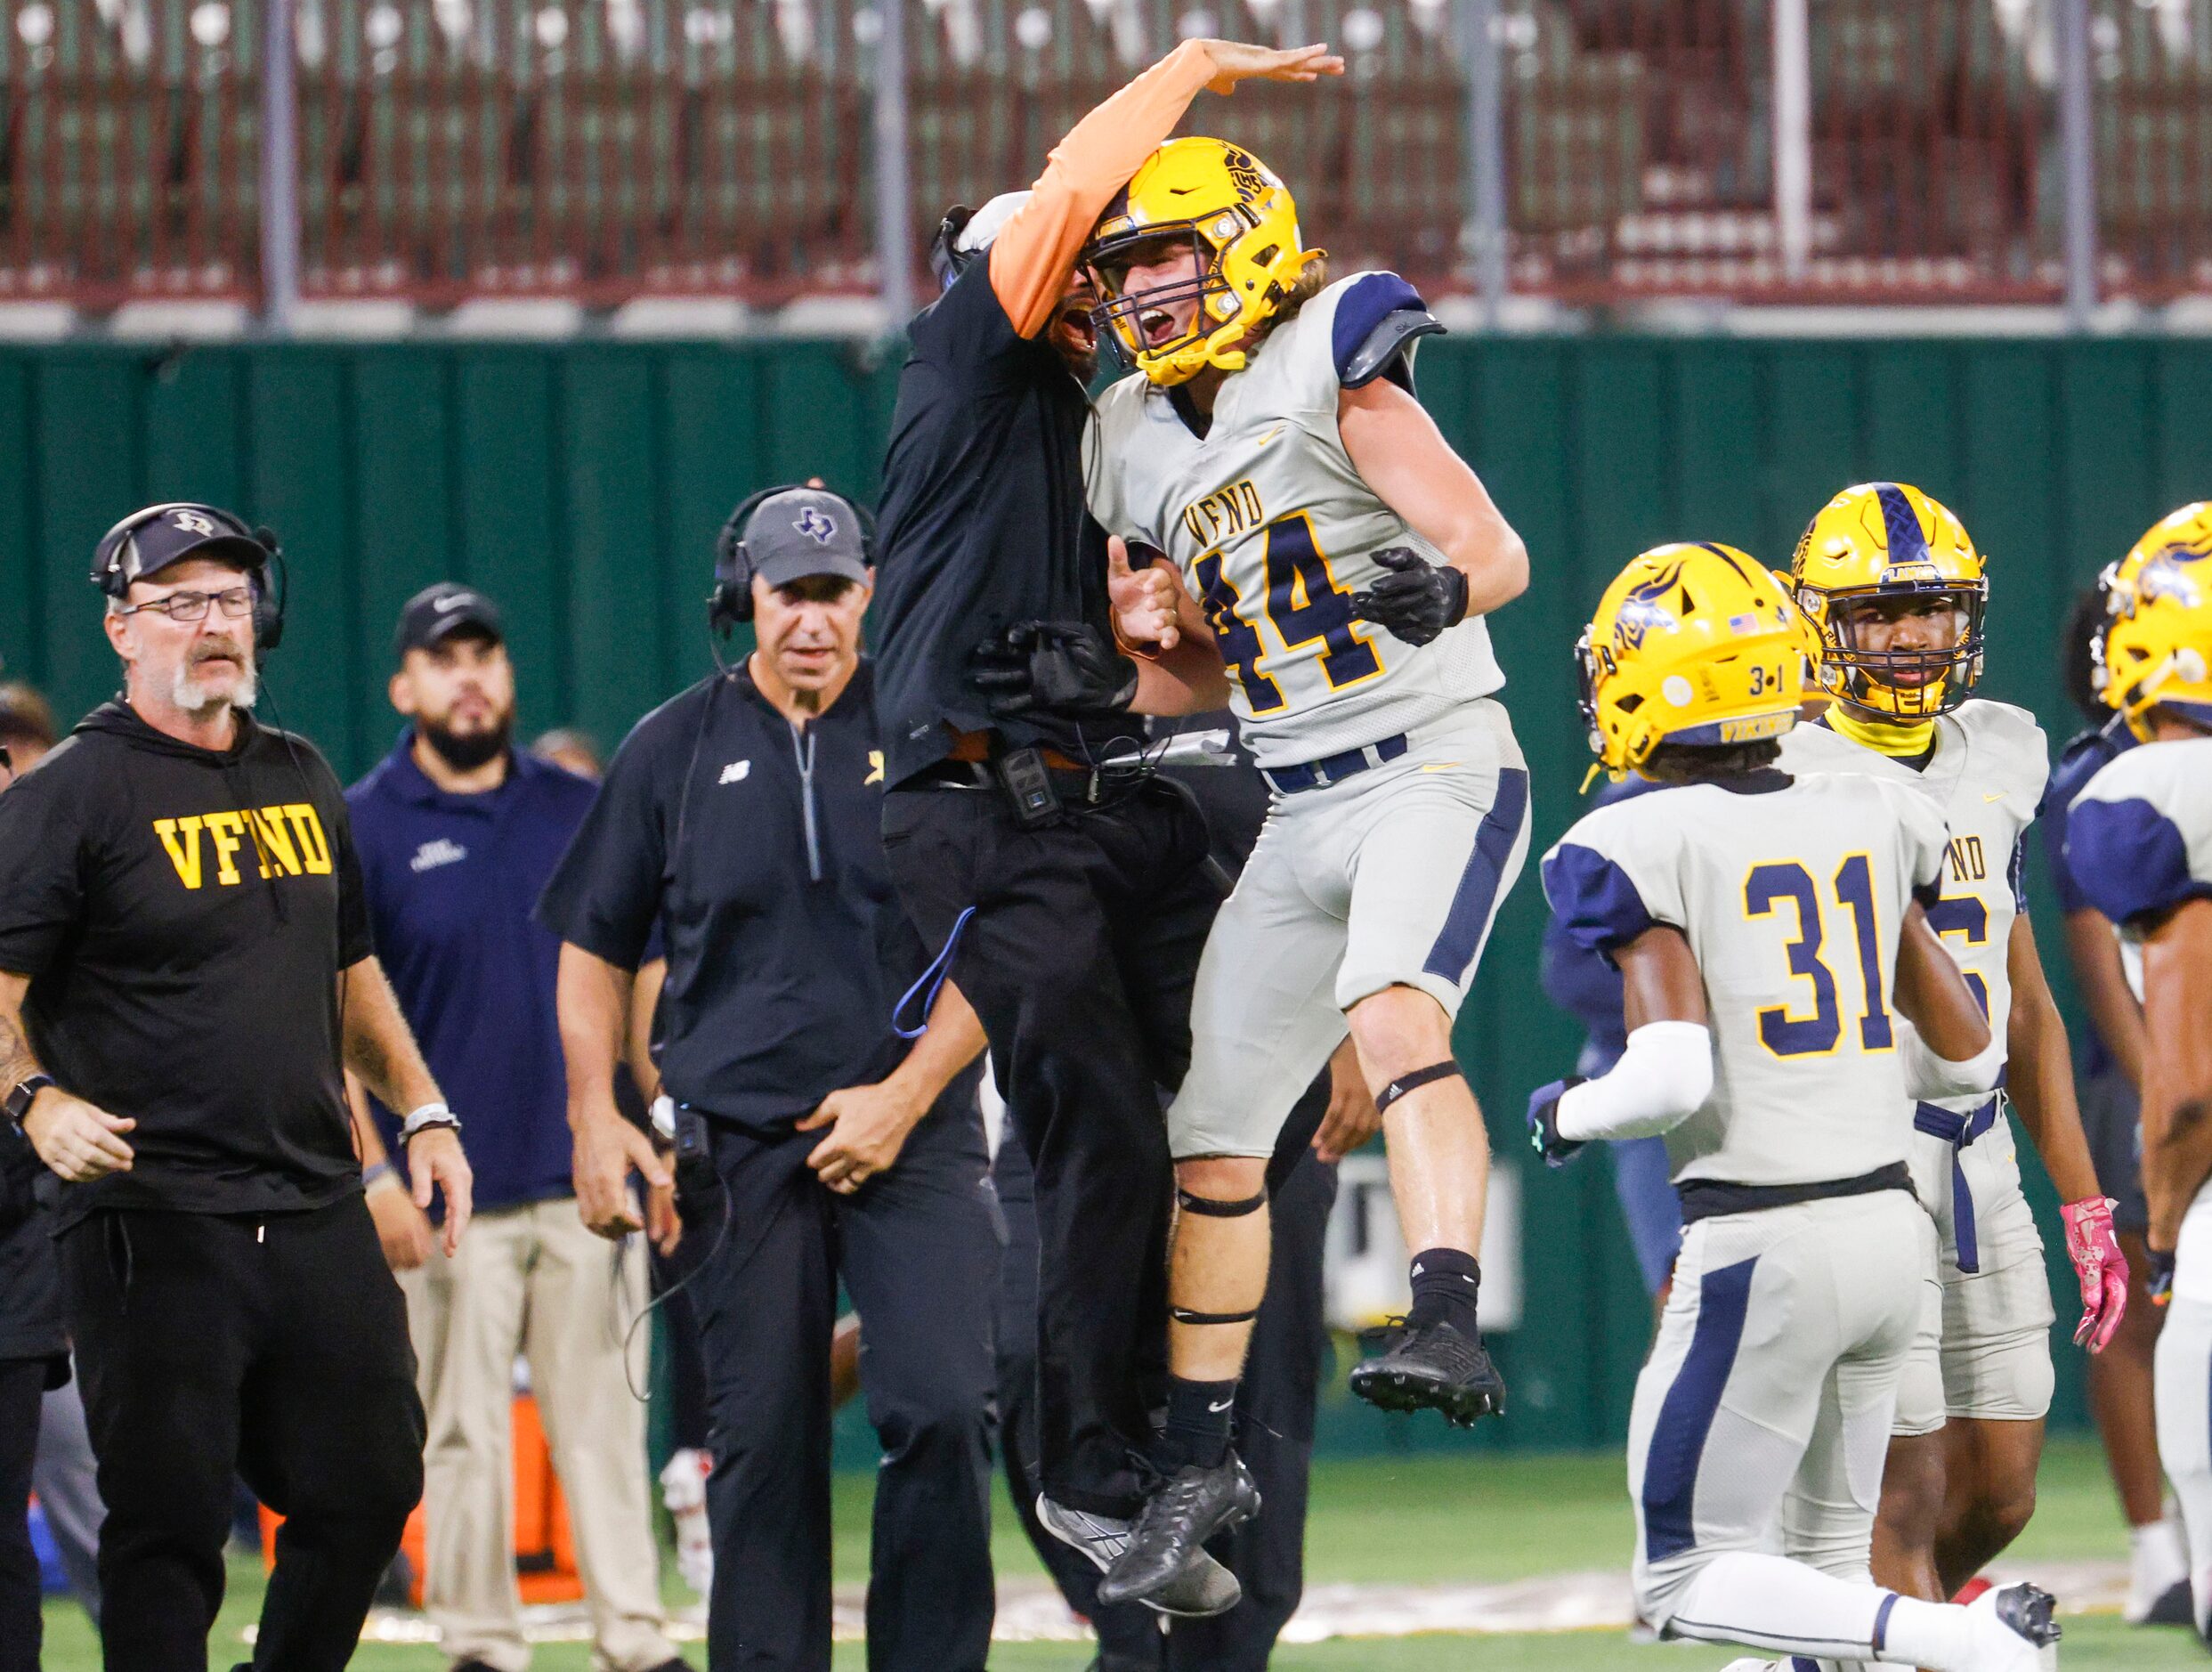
[(149, 540), (784, 534)]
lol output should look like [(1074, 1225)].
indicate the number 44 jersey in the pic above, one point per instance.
[(1273, 530), (1791, 892)]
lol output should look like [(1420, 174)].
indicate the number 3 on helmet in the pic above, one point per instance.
[(1238, 222), (1881, 540), (1695, 644)]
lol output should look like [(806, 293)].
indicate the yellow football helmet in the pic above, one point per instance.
[(1242, 229), (1888, 539), (2157, 644), (1691, 644)]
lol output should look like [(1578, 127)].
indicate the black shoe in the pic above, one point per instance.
[(1204, 1589), (1176, 1519), (1431, 1367), (2172, 1608)]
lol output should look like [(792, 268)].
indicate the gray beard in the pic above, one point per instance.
[(195, 698)]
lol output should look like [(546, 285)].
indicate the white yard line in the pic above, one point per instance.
[(1032, 1612)]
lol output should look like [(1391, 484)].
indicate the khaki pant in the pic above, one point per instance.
[(532, 1280)]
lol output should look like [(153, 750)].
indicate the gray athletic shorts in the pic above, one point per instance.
[(1765, 1406), (1390, 877), (1988, 1354)]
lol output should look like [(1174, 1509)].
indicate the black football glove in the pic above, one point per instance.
[(1544, 1123), (1416, 600), (1058, 665), (2160, 1279)]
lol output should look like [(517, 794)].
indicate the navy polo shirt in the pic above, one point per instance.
[(757, 847), (450, 882)]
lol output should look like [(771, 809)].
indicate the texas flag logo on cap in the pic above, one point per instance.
[(816, 526)]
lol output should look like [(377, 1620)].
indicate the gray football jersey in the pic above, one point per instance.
[(2139, 842), (1791, 892), (1986, 779), (1273, 530)]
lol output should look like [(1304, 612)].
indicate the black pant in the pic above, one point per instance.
[(1080, 960), (1275, 1415), (276, 1349), (917, 1247), (23, 1386)]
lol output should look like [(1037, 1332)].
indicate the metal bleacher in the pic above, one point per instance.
[(602, 150)]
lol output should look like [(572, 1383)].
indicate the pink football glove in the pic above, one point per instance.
[(2102, 1268)]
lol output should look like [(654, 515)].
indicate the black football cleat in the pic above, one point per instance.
[(2013, 1630), (1204, 1589), (1172, 1529), (1431, 1367)]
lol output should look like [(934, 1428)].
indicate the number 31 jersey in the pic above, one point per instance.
[(1986, 779), (1273, 530), (1792, 893)]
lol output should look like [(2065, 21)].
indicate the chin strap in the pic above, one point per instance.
[(1904, 742)]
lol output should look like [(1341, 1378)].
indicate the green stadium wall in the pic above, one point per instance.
[(582, 484)]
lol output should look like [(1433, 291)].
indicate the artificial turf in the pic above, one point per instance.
[(1415, 1519)]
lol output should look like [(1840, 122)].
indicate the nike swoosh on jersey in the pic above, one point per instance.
[(1993, 795), (1269, 436)]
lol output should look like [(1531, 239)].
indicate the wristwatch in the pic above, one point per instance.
[(19, 1103)]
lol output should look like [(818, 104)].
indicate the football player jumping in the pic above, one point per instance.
[(2139, 845), (1894, 587), (1774, 948), (1333, 558)]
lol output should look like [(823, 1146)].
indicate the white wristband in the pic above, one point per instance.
[(428, 1115)]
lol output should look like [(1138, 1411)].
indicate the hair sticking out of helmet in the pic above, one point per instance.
[(1874, 552), (2157, 644), (1692, 646), (1216, 208)]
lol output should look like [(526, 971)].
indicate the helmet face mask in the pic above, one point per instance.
[(1906, 682), (1886, 547), (1240, 228), (1130, 314)]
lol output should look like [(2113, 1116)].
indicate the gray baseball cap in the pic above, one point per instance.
[(805, 532)]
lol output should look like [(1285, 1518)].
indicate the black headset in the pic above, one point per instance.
[(730, 602), (947, 259), (268, 574)]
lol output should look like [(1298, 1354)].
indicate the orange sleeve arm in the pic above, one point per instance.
[(1035, 253)]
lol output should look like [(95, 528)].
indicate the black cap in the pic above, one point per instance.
[(437, 613), (149, 541)]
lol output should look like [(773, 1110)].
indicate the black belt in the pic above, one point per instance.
[(1312, 775), (1705, 1198)]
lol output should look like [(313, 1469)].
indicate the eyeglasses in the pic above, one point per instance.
[(237, 602)]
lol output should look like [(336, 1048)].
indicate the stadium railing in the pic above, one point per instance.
[(607, 149)]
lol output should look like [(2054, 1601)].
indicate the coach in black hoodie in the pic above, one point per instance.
[(184, 958)]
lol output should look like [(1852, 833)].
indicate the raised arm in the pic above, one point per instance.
[(1033, 256)]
